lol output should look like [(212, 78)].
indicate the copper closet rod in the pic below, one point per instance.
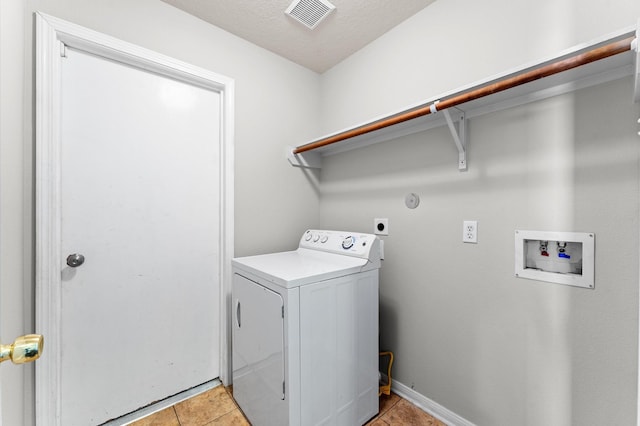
[(596, 54)]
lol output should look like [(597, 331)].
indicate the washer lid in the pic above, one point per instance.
[(302, 266)]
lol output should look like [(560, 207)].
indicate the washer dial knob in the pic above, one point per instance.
[(348, 242)]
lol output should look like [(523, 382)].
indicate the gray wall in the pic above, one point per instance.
[(454, 43), (466, 333), (275, 105)]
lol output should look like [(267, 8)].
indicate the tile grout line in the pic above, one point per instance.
[(228, 412), (388, 412), (390, 408), (379, 416), (175, 413), (380, 413)]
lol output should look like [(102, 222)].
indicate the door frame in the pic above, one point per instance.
[(52, 37)]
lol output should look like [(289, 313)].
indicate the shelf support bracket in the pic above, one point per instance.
[(635, 50), (459, 135), (305, 160)]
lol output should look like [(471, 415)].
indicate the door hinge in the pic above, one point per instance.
[(283, 391), (63, 50), (283, 311)]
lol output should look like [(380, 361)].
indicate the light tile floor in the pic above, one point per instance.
[(217, 407)]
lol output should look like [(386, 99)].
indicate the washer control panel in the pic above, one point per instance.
[(349, 243)]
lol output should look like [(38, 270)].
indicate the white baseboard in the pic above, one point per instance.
[(431, 407)]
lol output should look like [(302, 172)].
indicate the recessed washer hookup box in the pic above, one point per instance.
[(556, 257)]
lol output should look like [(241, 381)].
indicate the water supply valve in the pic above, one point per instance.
[(543, 248)]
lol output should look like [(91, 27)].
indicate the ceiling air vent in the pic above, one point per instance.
[(309, 12)]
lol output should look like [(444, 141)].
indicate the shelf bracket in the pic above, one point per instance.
[(635, 50), (305, 160), (459, 135)]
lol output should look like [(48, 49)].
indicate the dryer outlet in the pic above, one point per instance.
[(381, 226)]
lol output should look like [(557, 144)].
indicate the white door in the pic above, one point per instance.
[(140, 202)]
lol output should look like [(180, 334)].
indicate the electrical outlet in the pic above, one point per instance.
[(381, 226), (470, 231)]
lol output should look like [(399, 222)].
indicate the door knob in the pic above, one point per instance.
[(74, 260), (24, 349)]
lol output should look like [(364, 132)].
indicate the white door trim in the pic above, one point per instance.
[(52, 35)]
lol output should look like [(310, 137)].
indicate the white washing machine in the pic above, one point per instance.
[(305, 332)]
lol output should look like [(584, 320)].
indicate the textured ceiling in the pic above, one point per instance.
[(350, 27)]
